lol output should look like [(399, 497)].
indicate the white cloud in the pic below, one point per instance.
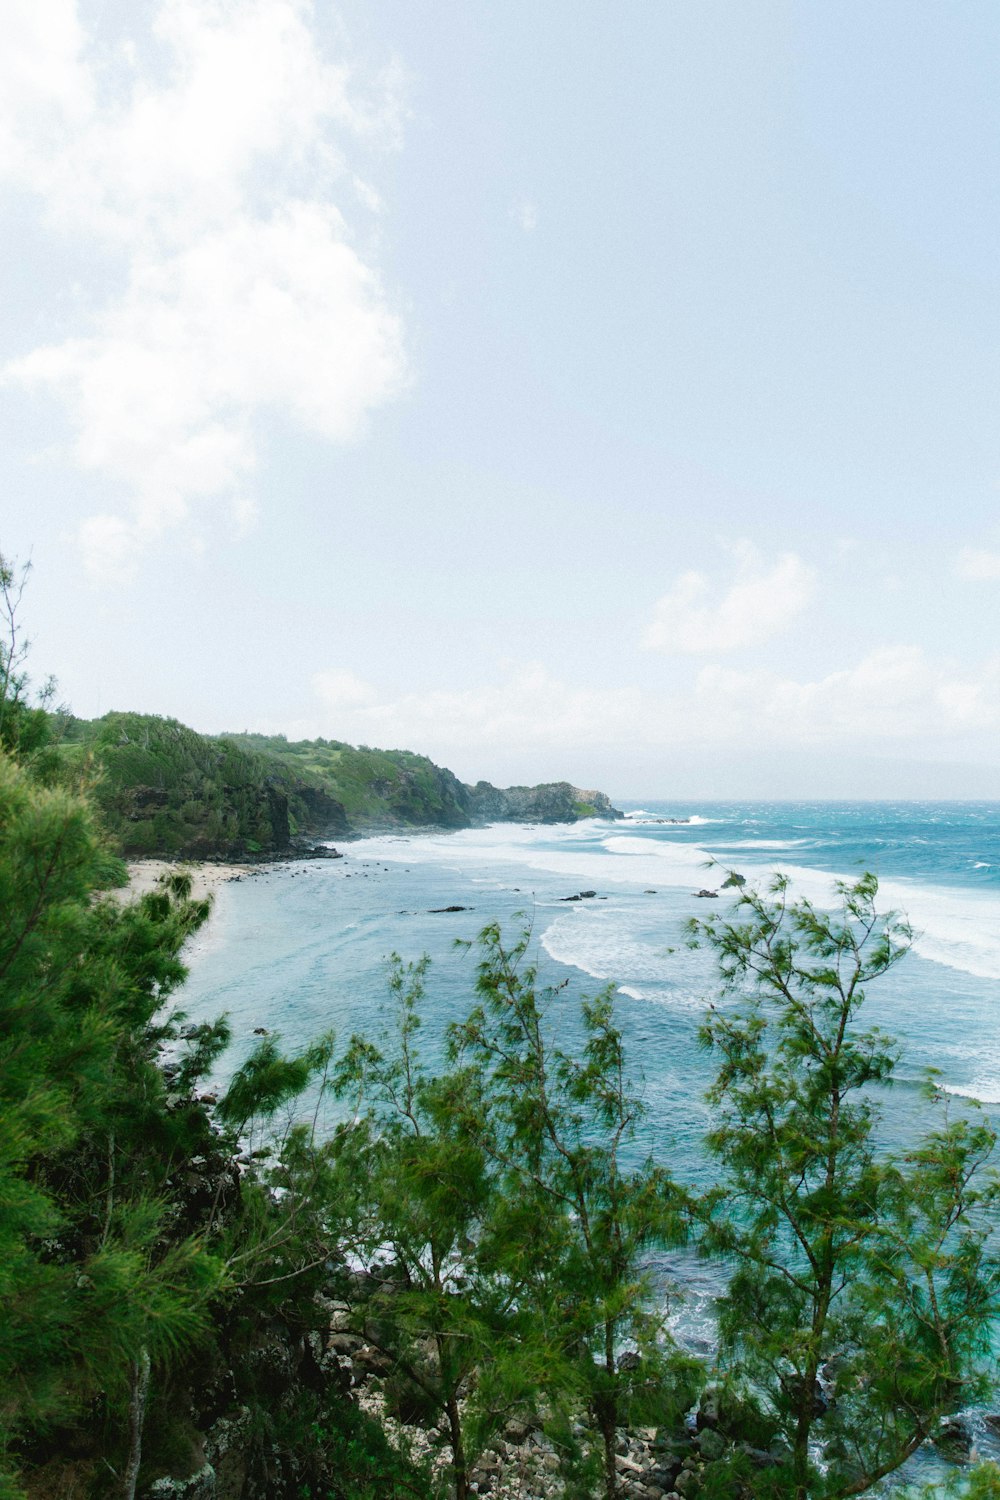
[(528, 707), (109, 545), (763, 600), (340, 689), (241, 289), (525, 213), (896, 695), (978, 565)]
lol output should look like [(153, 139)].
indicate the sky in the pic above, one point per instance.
[(578, 391)]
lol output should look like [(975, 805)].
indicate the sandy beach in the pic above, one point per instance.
[(144, 873)]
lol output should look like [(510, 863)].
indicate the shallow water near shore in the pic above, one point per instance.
[(303, 949)]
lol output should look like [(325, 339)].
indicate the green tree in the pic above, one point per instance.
[(92, 1292), (26, 723), (863, 1287), (560, 1128), (444, 1296)]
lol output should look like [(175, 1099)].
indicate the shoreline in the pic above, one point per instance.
[(206, 876)]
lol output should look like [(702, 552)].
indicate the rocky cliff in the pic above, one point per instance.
[(166, 790), (551, 802)]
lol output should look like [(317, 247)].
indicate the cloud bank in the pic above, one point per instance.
[(892, 696), (205, 169), (978, 565), (695, 618)]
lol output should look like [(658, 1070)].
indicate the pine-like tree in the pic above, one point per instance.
[(560, 1129), (863, 1288)]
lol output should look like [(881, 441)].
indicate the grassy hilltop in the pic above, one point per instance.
[(164, 789)]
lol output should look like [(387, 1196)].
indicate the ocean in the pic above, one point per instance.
[(303, 948)]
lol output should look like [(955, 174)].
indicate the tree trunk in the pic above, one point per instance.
[(458, 1468), (606, 1412), (803, 1428), (606, 1422), (136, 1417)]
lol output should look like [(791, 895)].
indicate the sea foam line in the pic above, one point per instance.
[(958, 929)]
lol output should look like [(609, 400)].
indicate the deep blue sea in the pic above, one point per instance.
[(303, 948)]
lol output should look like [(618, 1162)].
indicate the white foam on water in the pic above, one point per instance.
[(645, 817), (983, 1091), (601, 945), (957, 928), (764, 843), (608, 945)]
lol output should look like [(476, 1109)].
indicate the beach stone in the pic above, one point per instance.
[(953, 1439), (709, 1408), (711, 1444)]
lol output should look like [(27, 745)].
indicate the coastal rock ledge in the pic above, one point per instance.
[(552, 802)]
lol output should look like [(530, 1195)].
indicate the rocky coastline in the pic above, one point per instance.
[(166, 791)]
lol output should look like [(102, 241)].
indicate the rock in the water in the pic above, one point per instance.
[(953, 1440)]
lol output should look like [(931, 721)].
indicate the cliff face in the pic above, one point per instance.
[(166, 790), (552, 802)]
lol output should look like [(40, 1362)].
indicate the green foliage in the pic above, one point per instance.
[(447, 1300), (87, 1278), (557, 1128), (163, 789), (27, 727), (359, 1461), (863, 1288), (268, 1080), (374, 786), (166, 790)]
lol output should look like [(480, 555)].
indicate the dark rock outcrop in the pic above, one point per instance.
[(321, 815), (551, 802)]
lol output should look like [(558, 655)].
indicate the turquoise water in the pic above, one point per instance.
[(303, 948)]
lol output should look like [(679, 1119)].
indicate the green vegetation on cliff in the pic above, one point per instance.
[(373, 786), (164, 789)]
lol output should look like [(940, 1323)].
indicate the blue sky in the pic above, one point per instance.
[(562, 390)]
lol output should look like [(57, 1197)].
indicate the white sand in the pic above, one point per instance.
[(144, 873)]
